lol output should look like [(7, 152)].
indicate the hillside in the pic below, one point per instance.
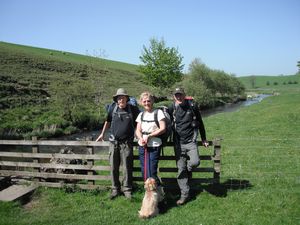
[(47, 93), (28, 72), (45, 87)]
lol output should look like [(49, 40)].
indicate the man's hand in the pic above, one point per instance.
[(205, 143)]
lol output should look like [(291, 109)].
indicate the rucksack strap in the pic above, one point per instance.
[(115, 111), (150, 121), (156, 117)]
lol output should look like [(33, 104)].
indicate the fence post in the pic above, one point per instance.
[(217, 160), (35, 150), (90, 162)]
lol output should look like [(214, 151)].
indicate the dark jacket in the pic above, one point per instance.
[(183, 117), (123, 122)]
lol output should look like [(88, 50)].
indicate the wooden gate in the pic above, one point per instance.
[(86, 164)]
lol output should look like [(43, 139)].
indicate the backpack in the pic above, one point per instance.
[(168, 133), (113, 110)]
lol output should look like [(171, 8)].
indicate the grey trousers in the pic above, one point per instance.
[(122, 153), (187, 158)]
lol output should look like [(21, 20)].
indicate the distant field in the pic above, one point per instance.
[(271, 82)]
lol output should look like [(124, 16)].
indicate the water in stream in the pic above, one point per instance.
[(231, 107), (225, 108)]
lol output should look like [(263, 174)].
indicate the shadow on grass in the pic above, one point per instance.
[(218, 190), (221, 189)]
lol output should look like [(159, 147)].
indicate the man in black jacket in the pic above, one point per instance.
[(187, 121)]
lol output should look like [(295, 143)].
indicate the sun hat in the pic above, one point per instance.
[(179, 91), (120, 91)]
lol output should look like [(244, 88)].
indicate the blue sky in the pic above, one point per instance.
[(241, 37)]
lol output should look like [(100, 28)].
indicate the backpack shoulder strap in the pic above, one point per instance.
[(115, 109), (156, 117), (142, 116), (174, 108)]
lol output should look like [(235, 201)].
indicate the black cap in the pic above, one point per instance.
[(179, 91)]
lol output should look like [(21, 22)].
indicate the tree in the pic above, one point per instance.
[(298, 65), (162, 66)]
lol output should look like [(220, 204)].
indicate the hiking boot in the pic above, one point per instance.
[(182, 200), (128, 195), (114, 194)]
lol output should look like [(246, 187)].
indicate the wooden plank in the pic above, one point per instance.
[(173, 181), (201, 169), (55, 143), (172, 157), (54, 166), (15, 192), (63, 185), (53, 155), (53, 175), (70, 143)]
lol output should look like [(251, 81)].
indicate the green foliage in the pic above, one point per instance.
[(44, 94), (208, 86), (162, 65)]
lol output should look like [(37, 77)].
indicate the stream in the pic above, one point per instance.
[(220, 109), (94, 134)]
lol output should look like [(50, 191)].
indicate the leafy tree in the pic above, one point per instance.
[(253, 81), (162, 66)]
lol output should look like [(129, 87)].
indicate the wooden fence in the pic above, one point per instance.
[(88, 166)]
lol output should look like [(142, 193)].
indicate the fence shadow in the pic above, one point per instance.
[(218, 190), (221, 189)]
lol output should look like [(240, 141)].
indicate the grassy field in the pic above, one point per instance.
[(260, 178)]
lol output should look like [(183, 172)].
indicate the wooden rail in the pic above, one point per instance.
[(89, 169)]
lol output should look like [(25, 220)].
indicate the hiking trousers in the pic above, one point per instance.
[(122, 153), (149, 162), (187, 158)]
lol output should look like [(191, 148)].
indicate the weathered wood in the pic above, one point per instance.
[(37, 169), (54, 166), (63, 185), (53, 155), (55, 143), (217, 160), (172, 157), (15, 192), (200, 169), (90, 162), (172, 181), (69, 143), (53, 175), (35, 150)]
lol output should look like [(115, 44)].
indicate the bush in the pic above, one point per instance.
[(70, 130)]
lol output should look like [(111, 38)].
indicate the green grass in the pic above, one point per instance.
[(260, 178), (271, 83), (60, 88)]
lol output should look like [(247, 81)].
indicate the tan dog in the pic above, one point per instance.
[(150, 201)]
